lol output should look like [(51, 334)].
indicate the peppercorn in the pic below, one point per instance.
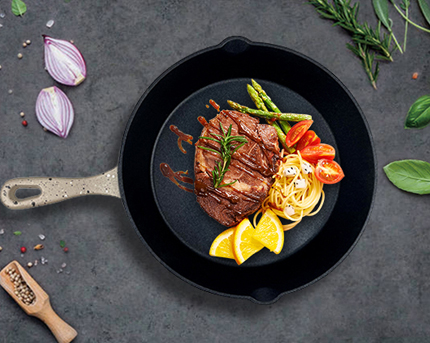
[(23, 250), (415, 76), (66, 249), (19, 55), (21, 289), (24, 123), (22, 114)]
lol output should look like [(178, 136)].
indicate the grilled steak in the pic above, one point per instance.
[(253, 166)]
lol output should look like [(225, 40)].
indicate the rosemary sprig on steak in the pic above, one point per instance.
[(227, 149)]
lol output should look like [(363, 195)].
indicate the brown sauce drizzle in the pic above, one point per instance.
[(181, 137), (202, 120), (204, 190), (214, 104), (172, 176)]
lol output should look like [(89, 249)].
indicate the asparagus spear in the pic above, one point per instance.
[(261, 106), (256, 98), (263, 95), (269, 115)]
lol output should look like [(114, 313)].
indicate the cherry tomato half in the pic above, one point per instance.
[(309, 138), (297, 132), (328, 171), (313, 153)]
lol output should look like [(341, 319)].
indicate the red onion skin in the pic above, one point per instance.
[(64, 62), (54, 111)]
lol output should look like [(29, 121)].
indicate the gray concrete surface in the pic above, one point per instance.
[(116, 291)]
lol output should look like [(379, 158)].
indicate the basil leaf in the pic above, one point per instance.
[(17, 233), (381, 10), (425, 8), (62, 244), (410, 175), (18, 7), (419, 114)]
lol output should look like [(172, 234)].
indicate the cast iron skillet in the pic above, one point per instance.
[(169, 221)]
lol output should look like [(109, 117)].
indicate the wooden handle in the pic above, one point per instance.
[(62, 331), (54, 190)]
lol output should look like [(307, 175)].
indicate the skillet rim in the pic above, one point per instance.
[(154, 84)]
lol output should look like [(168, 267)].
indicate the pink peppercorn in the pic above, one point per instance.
[(23, 249)]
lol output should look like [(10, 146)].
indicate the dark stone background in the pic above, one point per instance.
[(116, 291)]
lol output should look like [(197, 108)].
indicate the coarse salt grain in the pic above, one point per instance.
[(1, 231), (42, 237), (50, 23)]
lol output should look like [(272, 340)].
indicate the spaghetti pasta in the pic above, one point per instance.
[(296, 191)]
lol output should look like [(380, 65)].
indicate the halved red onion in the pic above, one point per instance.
[(64, 61), (54, 111)]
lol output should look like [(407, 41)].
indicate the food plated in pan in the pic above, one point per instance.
[(243, 167)]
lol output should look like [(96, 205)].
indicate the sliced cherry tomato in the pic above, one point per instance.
[(328, 171), (297, 132), (313, 153), (309, 138)]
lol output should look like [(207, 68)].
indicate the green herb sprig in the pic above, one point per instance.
[(345, 15), (368, 44), (227, 149), (367, 59), (381, 10), (425, 9), (405, 6)]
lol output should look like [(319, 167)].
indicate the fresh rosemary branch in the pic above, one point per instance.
[(367, 59), (345, 15), (227, 149)]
